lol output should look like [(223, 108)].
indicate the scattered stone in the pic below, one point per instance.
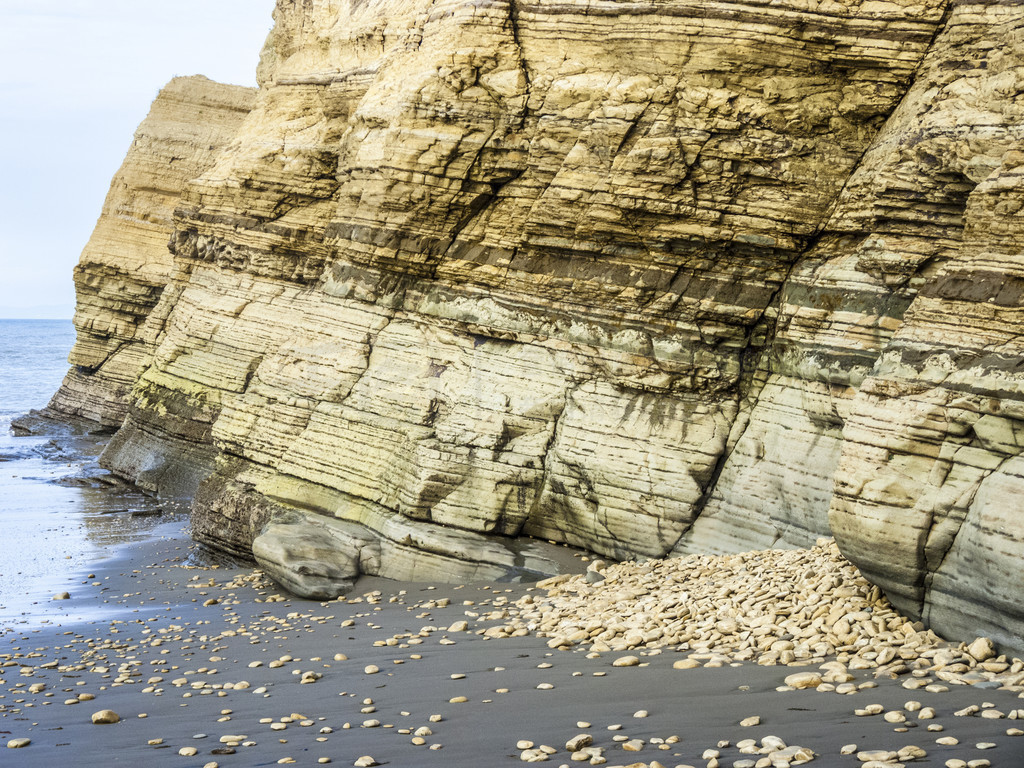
[(18, 743), (576, 743), (981, 649), (105, 717), (803, 680)]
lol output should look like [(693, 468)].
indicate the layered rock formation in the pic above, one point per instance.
[(642, 278), (125, 265), (925, 494)]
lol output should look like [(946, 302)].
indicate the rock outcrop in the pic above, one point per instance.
[(926, 488), (643, 278), (125, 265)]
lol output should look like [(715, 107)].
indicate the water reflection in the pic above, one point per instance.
[(60, 514)]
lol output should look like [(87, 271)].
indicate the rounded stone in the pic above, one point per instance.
[(105, 717)]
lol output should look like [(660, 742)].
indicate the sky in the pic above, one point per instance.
[(76, 79)]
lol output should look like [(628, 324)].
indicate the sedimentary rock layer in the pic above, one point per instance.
[(930, 473), (493, 267), (642, 278), (125, 265)]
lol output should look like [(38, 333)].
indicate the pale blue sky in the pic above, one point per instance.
[(76, 79)]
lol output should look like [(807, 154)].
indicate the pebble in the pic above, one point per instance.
[(850, 618), (365, 762), (576, 743), (18, 743), (911, 752), (105, 717), (803, 680), (686, 664)]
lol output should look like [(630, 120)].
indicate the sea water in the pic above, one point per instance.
[(58, 512)]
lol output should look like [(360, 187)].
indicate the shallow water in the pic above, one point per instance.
[(58, 511)]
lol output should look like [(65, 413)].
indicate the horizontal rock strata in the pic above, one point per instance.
[(125, 265), (927, 483), (647, 279)]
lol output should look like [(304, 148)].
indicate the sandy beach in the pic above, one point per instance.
[(211, 664)]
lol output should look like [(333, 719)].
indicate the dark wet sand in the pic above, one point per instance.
[(146, 594)]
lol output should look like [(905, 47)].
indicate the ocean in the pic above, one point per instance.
[(58, 515)]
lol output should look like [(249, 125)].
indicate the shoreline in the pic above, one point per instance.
[(189, 662), (63, 514)]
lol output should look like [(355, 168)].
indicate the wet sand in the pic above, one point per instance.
[(60, 511), (185, 662)]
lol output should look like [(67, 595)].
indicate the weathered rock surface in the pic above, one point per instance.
[(125, 265), (928, 483), (318, 557), (643, 279)]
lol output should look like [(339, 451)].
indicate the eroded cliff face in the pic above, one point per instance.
[(125, 265), (927, 487), (643, 278)]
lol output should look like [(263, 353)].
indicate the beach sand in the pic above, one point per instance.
[(187, 655)]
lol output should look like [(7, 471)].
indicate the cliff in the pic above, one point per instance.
[(125, 265), (643, 278)]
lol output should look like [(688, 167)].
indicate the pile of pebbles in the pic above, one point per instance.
[(771, 607), (770, 752)]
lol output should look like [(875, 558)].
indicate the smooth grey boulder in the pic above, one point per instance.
[(314, 556)]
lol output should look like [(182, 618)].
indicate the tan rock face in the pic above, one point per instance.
[(634, 281), (125, 265), (927, 484), (460, 276)]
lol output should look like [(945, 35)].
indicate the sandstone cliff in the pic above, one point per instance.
[(642, 278), (125, 265)]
